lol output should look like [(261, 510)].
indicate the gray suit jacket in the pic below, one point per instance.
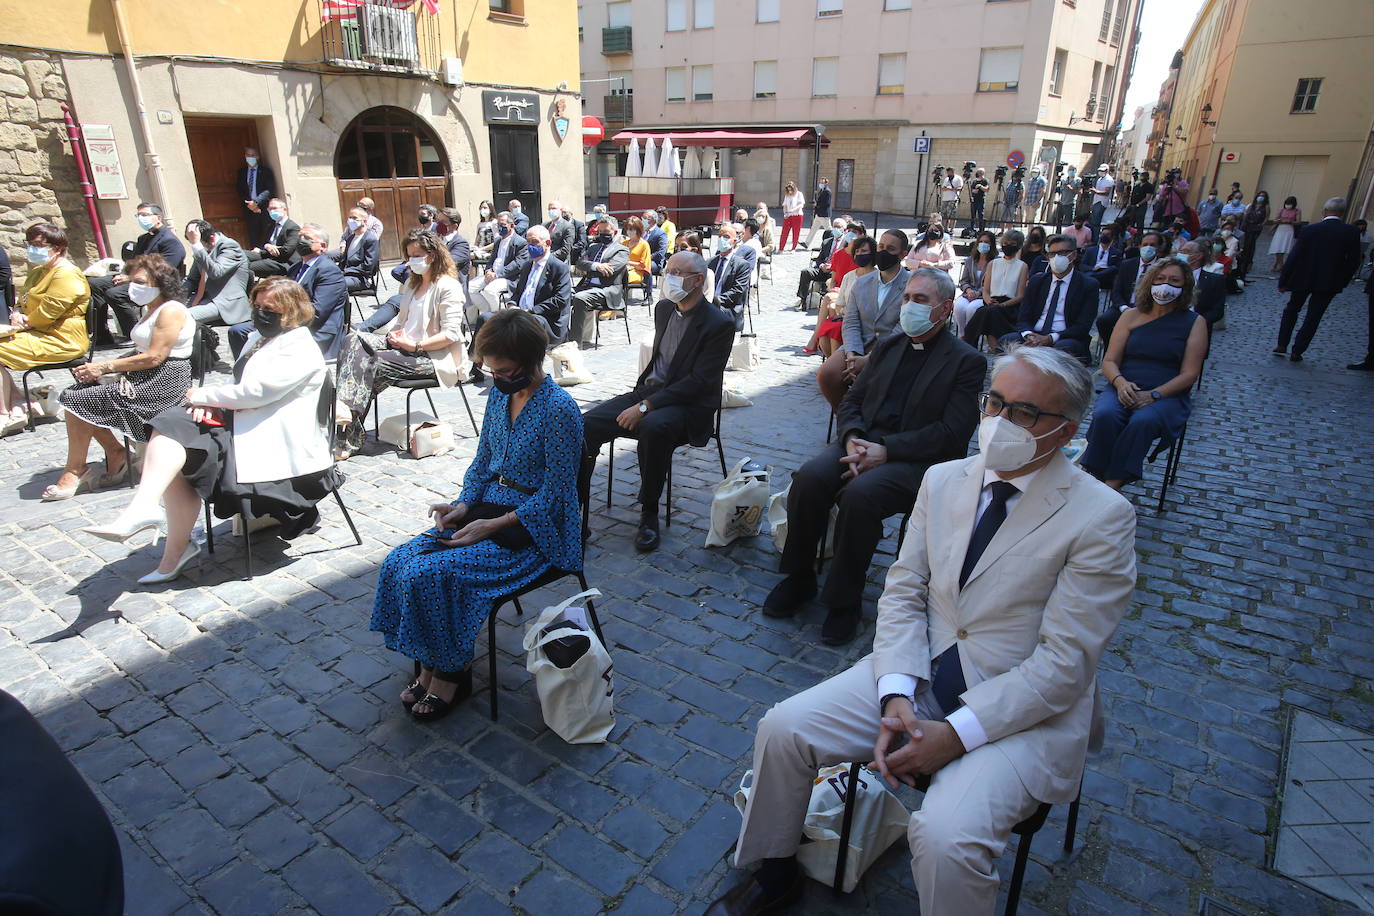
[(226, 279), (614, 254), (865, 318)]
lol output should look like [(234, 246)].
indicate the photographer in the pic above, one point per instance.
[(1068, 194), (950, 187), (1171, 197), (1014, 194), (1102, 197), (1035, 192), (977, 190)]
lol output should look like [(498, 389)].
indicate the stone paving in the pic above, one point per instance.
[(246, 738)]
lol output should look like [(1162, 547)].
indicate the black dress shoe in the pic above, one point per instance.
[(646, 539), (1296, 358), (840, 626), (749, 898), (789, 595), (476, 377), (1278, 351), (1366, 366)]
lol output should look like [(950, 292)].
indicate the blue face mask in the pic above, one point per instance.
[(984, 248), (915, 319), (251, 160), (37, 256), (146, 222), (277, 215), (536, 252), (1147, 252)]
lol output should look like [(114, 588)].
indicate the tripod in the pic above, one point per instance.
[(998, 205)]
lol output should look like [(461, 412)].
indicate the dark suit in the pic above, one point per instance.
[(520, 221), (595, 292), (324, 283), (1101, 266), (562, 238), (552, 302), (923, 406), (6, 281), (1122, 297), (263, 190), (682, 406), (819, 271), (579, 240), (733, 275), (1324, 258), (358, 257), (1078, 305), (284, 235), (1209, 297), (658, 248), (106, 296)]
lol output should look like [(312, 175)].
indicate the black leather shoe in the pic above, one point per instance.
[(749, 898), (840, 626), (647, 538), (1366, 366), (1296, 358), (1279, 352), (789, 595)]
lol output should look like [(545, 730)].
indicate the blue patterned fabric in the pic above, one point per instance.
[(432, 600)]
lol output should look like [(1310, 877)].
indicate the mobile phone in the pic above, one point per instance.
[(442, 535)]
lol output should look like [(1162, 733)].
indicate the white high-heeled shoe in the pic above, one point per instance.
[(154, 578), (128, 529)]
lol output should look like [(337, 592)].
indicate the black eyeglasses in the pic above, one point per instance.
[(1022, 415)]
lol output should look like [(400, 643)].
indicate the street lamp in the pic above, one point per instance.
[(1206, 115)]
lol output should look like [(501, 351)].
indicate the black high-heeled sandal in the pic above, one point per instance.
[(415, 689), (438, 706)]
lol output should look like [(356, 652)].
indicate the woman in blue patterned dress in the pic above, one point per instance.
[(517, 516)]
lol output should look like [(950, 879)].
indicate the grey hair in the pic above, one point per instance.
[(650, 218), (838, 222), (506, 214), (1074, 379), (944, 283), (696, 263), (611, 223), (536, 234), (1334, 205), (323, 232)]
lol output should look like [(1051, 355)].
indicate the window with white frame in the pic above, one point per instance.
[(891, 74), (618, 15), (675, 84), (829, 7), (675, 19), (999, 70), (765, 79), (622, 82), (1057, 70), (825, 75), (702, 79), (896, 5), (1104, 92), (1305, 98), (704, 14), (768, 11)]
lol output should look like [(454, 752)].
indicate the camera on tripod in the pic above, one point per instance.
[(1019, 173), (1001, 174), (969, 166)]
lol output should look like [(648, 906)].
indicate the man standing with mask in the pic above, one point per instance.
[(256, 186), (820, 217), (1015, 571), (912, 407), (676, 397)]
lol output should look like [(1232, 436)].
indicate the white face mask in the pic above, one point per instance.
[(418, 265), (354, 225), (1006, 446), (141, 294), (485, 213), (1059, 263), (1163, 293), (673, 288)]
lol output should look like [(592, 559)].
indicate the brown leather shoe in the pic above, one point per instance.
[(748, 899)]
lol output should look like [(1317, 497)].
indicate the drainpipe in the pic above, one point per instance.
[(151, 157), (84, 173)]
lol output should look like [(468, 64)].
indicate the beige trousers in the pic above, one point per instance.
[(818, 224), (956, 837)]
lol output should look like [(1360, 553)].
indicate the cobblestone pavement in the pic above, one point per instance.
[(247, 741)]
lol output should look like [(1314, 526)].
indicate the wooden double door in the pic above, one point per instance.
[(397, 201), (216, 156)]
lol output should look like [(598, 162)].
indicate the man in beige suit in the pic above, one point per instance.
[(1015, 571)]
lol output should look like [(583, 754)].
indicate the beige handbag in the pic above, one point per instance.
[(568, 366), (431, 438), (744, 356)]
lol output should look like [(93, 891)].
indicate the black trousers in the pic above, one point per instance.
[(808, 276), (658, 432), (1369, 349), (107, 297), (863, 502), (975, 215), (1316, 308), (996, 320), (267, 266)]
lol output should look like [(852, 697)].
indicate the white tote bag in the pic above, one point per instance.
[(568, 366), (744, 356), (738, 505), (646, 353), (777, 520), (879, 820), (431, 439), (393, 430), (729, 397), (577, 699)]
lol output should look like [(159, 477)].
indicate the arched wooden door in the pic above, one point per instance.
[(394, 157)]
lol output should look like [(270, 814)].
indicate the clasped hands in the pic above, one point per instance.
[(1130, 394), (446, 518), (862, 455), (908, 747)]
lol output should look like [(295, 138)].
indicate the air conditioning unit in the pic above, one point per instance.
[(453, 71), (388, 35)]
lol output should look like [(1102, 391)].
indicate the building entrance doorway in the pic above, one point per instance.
[(216, 146), (515, 169)]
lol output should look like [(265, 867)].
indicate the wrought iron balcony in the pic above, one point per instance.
[(620, 108), (399, 36)]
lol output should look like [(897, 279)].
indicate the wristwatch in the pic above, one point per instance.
[(643, 406), (1156, 395)]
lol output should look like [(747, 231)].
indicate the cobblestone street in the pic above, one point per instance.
[(247, 741)]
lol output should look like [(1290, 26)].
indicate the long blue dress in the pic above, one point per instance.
[(1120, 438), (432, 600)]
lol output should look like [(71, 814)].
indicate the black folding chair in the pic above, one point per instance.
[(624, 311), (69, 364), (1174, 448), (412, 385), (369, 288)]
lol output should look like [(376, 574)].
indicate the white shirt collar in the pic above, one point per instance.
[(1021, 483)]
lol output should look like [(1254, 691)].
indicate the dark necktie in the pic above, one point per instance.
[(948, 681), (299, 271), (1048, 324)]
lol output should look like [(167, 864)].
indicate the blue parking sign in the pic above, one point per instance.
[(922, 145)]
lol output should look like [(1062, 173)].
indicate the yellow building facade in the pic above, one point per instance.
[(449, 103), (1277, 97)]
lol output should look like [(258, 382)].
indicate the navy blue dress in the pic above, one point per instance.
[(1120, 438), (432, 600)]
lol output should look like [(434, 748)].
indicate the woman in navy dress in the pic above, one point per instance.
[(1153, 360), (517, 516)]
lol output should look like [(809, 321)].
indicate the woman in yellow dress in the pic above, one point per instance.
[(49, 319)]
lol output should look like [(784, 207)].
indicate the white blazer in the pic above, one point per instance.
[(443, 305), (277, 433), (1033, 618)]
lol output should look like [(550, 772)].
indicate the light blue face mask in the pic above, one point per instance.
[(915, 319), (984, 248), (37, 256), (146, 222)]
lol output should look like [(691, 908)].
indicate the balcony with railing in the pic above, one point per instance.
[(392, 36), (620, 108), (617, 40)]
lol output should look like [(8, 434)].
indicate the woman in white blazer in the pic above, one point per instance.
[(426, 339), (261, 438)]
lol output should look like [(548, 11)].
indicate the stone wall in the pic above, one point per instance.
[(38, 177)]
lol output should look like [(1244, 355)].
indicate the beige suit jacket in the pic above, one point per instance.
[(1033, 618)]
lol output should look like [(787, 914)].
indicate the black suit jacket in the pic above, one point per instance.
[(164, 242), (941, 408), (733, 273), (325, 283), (1324, 258), (552, 297), (579, 240), (1079, 306), (288, 232), (267, 185), (697, 372), (461, 252), (1101, 269), (1127, 276), (6, 281), (827, 245), (360, 260), (517, 256), (562, 238), (520, 221), (1209, 297)]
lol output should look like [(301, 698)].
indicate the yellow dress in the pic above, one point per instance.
[(670, 229), (640, 252), (53, 298)]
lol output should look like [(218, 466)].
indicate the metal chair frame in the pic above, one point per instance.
[(410, 386), (68, 364)]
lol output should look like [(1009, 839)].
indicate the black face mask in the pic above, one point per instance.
[(304, 247), (863, 259), (935, 236), (888, 260), (513, 384), (604, 237), (268, 324), (504, 230), (1010, 250)]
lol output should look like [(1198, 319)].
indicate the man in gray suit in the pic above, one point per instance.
[(600, 287), (874, 304), (733, 266), (217, 284)]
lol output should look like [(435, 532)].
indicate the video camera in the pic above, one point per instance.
[(1019, 173), (969, 166), (1001, 174)]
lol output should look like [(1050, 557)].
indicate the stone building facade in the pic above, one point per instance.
[(38, 176)]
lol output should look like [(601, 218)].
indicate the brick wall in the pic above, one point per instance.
[(38, 179)]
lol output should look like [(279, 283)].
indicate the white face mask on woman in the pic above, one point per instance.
[(418, 265), (1163, 293), (141, 294)]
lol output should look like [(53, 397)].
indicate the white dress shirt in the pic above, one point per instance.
[(1059, 291), (536, 272)]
